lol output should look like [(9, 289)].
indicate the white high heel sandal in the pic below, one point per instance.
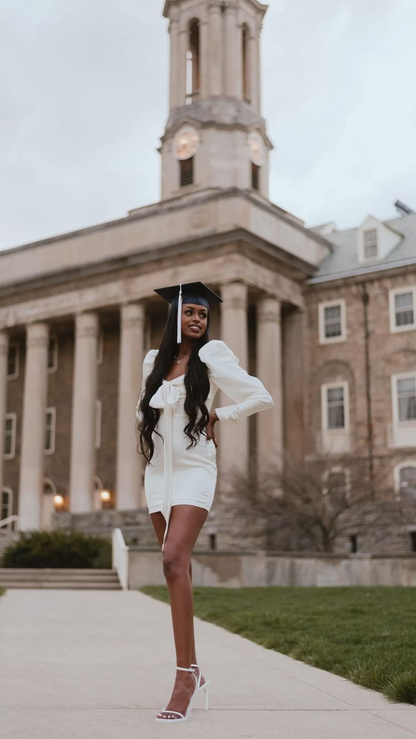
[(200, 687), (183, 717)]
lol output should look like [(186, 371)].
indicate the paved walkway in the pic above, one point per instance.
[(100, 665)]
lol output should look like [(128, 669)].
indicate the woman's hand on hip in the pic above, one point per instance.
[(213, 418)]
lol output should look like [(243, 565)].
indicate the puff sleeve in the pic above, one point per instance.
[(148, 363), (247, 392)]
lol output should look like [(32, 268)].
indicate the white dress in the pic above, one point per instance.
[(179, 475)]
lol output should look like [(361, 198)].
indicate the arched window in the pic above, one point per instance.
[(49, 487), (246, 84), (193, 66), (405, 480)]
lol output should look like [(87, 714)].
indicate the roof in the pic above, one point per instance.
[(343, 261)]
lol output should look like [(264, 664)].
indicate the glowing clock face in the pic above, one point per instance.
[(256, 148), (186, 143)]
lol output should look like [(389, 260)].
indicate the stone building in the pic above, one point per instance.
[(325, 318)]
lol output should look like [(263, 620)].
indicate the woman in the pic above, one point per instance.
[(177, 438)]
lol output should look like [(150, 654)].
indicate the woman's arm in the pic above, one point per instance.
[(148, 363), (248, 392)]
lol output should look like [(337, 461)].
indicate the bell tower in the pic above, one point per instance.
[(215, 137)]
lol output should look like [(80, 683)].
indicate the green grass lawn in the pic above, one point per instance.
[(367, 635), (2, 590)]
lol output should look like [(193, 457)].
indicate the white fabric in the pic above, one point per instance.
[(178, 475)]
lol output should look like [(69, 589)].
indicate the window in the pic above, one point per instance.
[(255, 176), (6, 506), (98, 413), (193, 62), (335, 434), (402, 309), (335, 408), (186, 172), (13, 362), (406, 399), (402, 432), (370, 248), (50, 424), (405, 480), (53, 354), (10, 436), (332, 322)]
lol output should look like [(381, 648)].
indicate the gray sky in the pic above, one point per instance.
[(83, 100)]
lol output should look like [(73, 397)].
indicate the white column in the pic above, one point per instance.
[(83, 413), (183, 42), (253, 45), (4, 353), (238, 60), (129, 461), (216, 48), (234, 446), (204, 59), (269, 371), (174, 62), (257, 72), (231, 82), (33, 426)]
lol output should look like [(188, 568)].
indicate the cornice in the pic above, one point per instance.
[(175, 204), (368, 275), (259, 7), (145, 257)]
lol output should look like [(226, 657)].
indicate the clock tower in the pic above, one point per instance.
[(215, 137)]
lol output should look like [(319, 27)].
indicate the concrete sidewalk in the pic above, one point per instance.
[(100, 665)]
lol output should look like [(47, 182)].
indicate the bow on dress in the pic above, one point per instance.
[(166, 397)]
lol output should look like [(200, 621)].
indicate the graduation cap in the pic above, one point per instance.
[(189, 292)]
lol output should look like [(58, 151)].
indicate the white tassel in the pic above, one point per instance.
[(179, 324)]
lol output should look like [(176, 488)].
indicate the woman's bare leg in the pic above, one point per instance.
[(185, 524), (159, 526)]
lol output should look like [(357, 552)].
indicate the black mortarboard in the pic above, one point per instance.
[(189, 292)]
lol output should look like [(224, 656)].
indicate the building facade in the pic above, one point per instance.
[(325, 318)]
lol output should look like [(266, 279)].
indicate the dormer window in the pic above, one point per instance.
[(375, 240), (370, 247)]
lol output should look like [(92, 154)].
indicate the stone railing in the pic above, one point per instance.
[(10, 519), (268, 569), (120, 558)]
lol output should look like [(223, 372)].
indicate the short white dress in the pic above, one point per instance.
[(178, 475)]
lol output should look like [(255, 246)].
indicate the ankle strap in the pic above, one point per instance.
[(186, 669)]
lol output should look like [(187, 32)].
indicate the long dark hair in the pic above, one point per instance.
[(196, 385)]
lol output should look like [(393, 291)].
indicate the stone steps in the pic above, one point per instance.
[(64, 578)]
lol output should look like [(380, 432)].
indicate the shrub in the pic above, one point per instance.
[(58, 549)]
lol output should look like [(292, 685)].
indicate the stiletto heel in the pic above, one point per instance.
[(206, 696), (200, 687), (171, 718)]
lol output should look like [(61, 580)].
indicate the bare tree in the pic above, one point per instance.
[(315, 502)]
